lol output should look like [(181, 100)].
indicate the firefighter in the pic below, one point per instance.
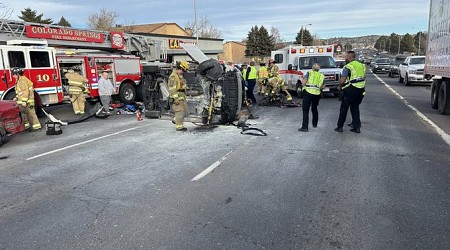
[(25, 99), (76, 90), (272, 72), (311, 88), (276, 85), (262, 78), (353, 83), (177, 91)]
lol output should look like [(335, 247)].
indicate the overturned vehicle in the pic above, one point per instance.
[(214, 92)]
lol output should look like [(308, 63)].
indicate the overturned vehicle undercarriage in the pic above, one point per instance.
[(213, 93)]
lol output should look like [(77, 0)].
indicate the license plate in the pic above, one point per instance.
[(326, 89)]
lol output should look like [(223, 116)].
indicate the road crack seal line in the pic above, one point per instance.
[(445, 136)]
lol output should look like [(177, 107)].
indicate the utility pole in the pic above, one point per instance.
[(195, 21), (399, 38), (420, 36)]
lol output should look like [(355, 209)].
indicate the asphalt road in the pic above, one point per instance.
[(122, 184)]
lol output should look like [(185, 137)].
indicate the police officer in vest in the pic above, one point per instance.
[(353, 83), (177, 93), (311, 87), (25, 99), (250, 75)]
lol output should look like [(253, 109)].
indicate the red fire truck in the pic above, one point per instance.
[(133, 64), (46, 51)]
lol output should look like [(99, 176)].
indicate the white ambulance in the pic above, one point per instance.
[(295, 61)]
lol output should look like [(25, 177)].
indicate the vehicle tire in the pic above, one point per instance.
[(400, 78), (153, 97), (232, 97), (374, 71), (202, 67), (444, 98), (435, 93), (127, 93), (299, 93), (406, 81)]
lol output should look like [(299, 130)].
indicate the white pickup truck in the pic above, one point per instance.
[(411, 70)]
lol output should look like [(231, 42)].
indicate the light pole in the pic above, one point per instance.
[(399, 39), (195, 21), (303, 30), (420, 36)]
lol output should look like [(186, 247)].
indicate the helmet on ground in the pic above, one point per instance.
[(316, 67), (183, 65), (17, 71)]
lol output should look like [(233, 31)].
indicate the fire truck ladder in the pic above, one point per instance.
[(134, 44)]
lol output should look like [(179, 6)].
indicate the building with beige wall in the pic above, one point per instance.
[(234, 52)]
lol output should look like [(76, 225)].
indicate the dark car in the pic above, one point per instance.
[(393, 70), (381, 65), (10, 119)]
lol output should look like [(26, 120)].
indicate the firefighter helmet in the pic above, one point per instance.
[(182, 65), (17, 71)]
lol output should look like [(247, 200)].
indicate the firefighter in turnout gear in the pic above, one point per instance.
[(276, 85), (272, 72), (262, 78), (311, 87), (76, 90), (25, 99), (353, 83), (177, 92)]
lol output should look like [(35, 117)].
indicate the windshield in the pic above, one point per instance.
[(323, 61), (420, 60), (384, 60)]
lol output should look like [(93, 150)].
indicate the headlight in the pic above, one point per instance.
[(412, 71), (394, 67)]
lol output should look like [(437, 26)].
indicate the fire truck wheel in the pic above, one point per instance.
[(127, 93), (2, 135)]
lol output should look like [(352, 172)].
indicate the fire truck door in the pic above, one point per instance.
[(5, 76), (12, 57), (42, 74)]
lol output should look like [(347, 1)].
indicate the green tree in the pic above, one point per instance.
[(420, 42), (407, 44), (259, 43), (394, 43), (307, 37), (29, 15), (382, 43), (63, 22), (348, 46)]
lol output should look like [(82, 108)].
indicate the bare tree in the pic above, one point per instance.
[(275, 35), (103, 20), (204, 27), (5, 11)]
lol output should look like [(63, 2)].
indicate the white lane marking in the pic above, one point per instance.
[(84, 142), (445, 136), (212, 167)]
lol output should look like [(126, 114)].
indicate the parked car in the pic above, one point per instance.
[(411, 70), (10, 119), (381, 65), (393, 70)]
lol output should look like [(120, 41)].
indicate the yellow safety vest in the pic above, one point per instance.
[(253, 73), (177, 86), (357, 75), (262, 72), (315, 82)]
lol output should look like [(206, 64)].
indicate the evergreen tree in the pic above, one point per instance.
[(29, 15), (407, 44), (252, 38), (265, 43), (348, 46), (382, 43), (307, 37), (63, 22), (394, 43)]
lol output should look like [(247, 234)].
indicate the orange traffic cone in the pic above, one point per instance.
[(138, 115)]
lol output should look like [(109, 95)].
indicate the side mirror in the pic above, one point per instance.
[(290, 67)]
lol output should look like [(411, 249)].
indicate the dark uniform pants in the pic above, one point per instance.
[(250, 88), (352, 98), (310, 100)]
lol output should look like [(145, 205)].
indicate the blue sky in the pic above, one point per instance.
[(235, 18)]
